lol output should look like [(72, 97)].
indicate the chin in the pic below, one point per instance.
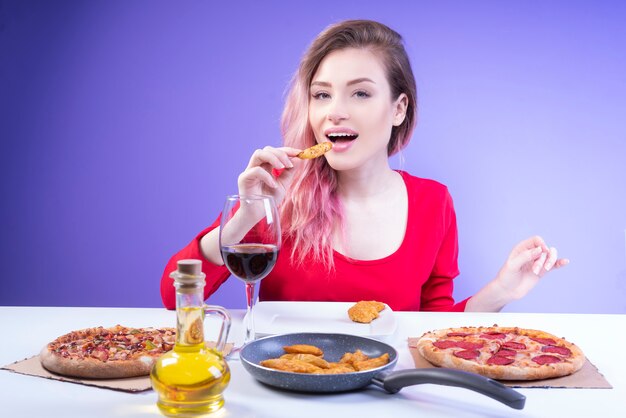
[(341, 164)]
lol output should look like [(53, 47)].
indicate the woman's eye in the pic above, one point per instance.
[(321, 95), (362, 94)]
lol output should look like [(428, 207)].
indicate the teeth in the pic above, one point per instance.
[(337, 134)]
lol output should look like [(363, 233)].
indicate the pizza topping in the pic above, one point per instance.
[(505, 352), (458, 334), (544, 341), (514, 345), (467, 354), (468, 345), (493, 335), (546, 359), (564, 351), (465, 345), (500, 360), (117, 344), (443, 344)]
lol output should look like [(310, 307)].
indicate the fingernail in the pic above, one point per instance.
[(289, 164)]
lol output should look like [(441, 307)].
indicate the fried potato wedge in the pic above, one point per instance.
[(371, 363), (300, 359), (303, 349), (285, 365)]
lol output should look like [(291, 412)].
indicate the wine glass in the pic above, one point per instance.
[(250, 239)]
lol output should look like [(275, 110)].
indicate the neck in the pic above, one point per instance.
[(363, 184)]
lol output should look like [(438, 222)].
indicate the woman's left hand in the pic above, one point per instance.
[(527, 263)]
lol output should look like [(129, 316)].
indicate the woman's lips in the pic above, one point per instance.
[(341, 145), (341, 137)]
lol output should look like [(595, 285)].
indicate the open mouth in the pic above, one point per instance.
[(334, 137)]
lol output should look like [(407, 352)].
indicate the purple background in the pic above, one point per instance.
[(123, 125)]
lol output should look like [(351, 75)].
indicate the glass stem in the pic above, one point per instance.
[(249, 320)]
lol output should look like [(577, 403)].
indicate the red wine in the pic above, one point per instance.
[(250, 262)]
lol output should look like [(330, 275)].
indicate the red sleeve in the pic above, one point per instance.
[(437, 291), (215, 275)]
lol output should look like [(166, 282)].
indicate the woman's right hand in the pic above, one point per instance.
[(259, 177)]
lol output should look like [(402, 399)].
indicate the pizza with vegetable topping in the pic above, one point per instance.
[(107, 353), (503, 353)]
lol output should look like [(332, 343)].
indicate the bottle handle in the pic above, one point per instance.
[(224, 329)]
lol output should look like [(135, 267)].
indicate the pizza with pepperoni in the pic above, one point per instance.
[(503, 353)]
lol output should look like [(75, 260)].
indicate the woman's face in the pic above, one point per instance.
[(350, 105)]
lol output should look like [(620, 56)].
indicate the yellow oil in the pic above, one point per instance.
[(190, 379)]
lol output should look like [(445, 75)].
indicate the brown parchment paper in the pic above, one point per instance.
[(32, 367), (588, 377)]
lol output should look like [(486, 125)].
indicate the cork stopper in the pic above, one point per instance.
[(191, 267), (189, 272)]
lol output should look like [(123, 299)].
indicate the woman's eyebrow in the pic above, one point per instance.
[(360, 80), (349, 83)]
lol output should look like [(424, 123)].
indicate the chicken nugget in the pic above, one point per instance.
[(303, 349), (378, 305), (371, 363), (363, 312), (315, 151), (294, 366)]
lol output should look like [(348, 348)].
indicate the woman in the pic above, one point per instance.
[(353, 228)]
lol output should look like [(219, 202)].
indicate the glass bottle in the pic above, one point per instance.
[(191, 378)]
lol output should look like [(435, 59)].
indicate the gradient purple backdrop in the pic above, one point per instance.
[(125, 123)]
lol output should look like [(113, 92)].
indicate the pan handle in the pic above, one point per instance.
[(392, 382)]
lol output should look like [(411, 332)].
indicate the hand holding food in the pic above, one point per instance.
[(270, 171)]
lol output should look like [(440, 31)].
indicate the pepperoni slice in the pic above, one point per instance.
[(458, 334), (544, 341), (505, 352), (500, 360), (493, 335), (467, 354), (546, 359), (564, 351), (467, 345), (514, 345), (443, 344)]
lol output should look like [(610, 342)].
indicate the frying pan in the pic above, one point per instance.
[(335, 345)]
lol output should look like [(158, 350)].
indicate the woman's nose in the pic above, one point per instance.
[(337, 113)]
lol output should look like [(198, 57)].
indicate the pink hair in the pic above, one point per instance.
[(312, 209)]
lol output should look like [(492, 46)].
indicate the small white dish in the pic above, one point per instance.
[(272, 318)]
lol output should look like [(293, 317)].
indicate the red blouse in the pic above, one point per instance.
[(417, 276)]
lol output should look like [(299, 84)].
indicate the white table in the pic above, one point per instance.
[(27, 329)]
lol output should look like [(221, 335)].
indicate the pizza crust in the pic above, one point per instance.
[(96, 369), (522, 369)]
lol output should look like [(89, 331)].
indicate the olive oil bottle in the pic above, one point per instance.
[(190, 380)]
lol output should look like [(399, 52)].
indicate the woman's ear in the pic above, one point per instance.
[(400, 106)]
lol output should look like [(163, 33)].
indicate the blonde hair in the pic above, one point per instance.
[(311, 207)]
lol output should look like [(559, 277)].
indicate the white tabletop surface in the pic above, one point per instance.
[(27, 329)]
